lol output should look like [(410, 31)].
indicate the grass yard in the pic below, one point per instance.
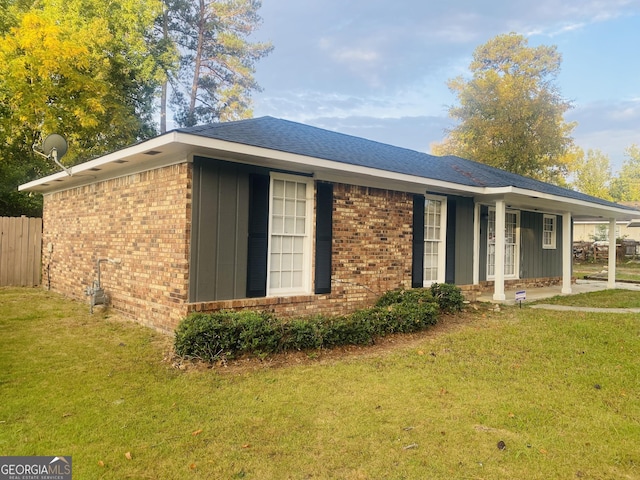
[(614, 298), (629, 270), (560, 391)]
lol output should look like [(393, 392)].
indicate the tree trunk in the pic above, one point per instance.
[(163, 95), (202, 21)]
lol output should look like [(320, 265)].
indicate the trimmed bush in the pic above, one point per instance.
[(210, 336), (415, 295), (228, 334), (302, 334), (448, 296)]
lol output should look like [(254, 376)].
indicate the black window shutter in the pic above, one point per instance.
[(417, 264), (324, 235), (258, 235)]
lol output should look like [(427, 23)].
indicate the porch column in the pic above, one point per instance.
[(567, 252), (611, 279), (476, 244), (498, 292)]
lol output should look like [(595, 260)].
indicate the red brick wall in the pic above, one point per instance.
[(142, 219), (372, 235)]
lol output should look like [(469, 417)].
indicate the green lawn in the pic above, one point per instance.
[(561, 390), (614, 298), (629, 270)]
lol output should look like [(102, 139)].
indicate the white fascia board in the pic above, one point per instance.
[(119, 155), (570, 204), (614, 212)]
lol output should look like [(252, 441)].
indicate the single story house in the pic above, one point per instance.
[(271, 214)]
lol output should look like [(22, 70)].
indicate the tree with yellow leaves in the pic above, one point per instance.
[(510, 113), (80, 68)]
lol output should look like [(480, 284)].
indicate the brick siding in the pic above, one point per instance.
[(142, 219)]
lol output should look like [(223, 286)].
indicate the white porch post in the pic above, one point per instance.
[(476, 244), (567, 252), (498, 292), (611, 280)]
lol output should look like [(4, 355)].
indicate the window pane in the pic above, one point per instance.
[(432, 219), (300, 226), (290, 207), (276, 244), (289, 225), (278, 206), (278, 188), (287, 244), (290, 189), (275, 280), (278, 224), (287, 262), (301, 208)]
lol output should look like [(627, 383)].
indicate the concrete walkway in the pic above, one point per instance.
[(581, 286)]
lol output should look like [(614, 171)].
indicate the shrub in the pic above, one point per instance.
[(415, 295), (228, 334), (448, 296), (302, 334)]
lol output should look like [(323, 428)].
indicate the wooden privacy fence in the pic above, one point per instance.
[(20, 251)]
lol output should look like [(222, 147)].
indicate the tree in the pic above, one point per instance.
[(593, 174), (72, 68), (217, 65), (626, 186), (511, 113)]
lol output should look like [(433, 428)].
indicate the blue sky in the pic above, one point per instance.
[(378, 68)]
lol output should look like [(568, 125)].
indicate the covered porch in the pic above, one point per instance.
[(567, 211)]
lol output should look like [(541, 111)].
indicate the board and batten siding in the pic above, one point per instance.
[(229, 236), (460, 240), (219, 232), (535, 261)]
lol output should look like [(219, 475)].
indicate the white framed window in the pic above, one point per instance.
[(549, 232), (435, 221), (511, 244), (290, 233)]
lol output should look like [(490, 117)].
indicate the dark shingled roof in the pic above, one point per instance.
[(297, 138)]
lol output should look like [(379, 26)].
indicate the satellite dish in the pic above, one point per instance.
[(55, 146)]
